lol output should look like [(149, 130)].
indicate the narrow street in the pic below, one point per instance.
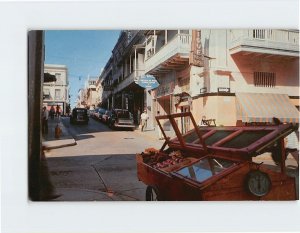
[(101, 166)]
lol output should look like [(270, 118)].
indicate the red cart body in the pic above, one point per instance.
[(215, 163)]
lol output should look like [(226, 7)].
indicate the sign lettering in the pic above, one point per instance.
[(148, 82), (196, 55)]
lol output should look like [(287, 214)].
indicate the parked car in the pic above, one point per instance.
[(95, 114), (102, 111), (121, 118), (106, 116), (91, 112), (79, 115), (98, 113)]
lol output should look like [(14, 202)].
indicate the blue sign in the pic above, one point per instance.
[(148, 82)]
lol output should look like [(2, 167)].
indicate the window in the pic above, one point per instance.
[(58, 78), (57, 94), (264, 79), (46, 94)]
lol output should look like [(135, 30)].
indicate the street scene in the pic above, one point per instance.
[(164, 115), (101, 166)]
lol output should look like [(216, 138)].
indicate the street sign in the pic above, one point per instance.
[(148, 82)]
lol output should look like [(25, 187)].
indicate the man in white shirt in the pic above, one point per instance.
[(45, 120), (144, 118)]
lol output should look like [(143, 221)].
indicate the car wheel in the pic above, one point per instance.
[(110, 125)]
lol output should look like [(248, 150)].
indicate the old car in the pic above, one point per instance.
[(91, 112), (216, 163), (106, 116), (79, 115), (121, 118), (99, 113)]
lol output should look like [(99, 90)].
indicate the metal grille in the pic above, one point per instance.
[(264, 79)]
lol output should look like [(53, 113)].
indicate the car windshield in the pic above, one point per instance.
[(123, 114), (80, 110)]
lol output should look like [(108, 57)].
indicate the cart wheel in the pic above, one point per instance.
[(152, 194)]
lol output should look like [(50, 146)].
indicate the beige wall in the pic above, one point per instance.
[(287, 74), (221, 108), (221, 69), (237, 70)]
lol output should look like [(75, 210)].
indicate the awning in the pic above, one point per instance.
[(262, 107)]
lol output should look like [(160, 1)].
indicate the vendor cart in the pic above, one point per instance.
[(215, 163)]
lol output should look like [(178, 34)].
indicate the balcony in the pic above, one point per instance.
[(128, 80), (172, 56), (265, 42)]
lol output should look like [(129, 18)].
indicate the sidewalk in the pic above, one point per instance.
[(50, 142), (150, 133)]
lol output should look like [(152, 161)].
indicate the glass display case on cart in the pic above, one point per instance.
[(215, 163)]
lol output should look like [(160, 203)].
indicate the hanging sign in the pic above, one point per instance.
[(196, 55), (148, 82)]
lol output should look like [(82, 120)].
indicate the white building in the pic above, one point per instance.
[(225, 74), (91, 93), (81, 98), (57, 92)]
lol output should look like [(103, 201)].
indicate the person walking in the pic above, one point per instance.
[(57, 111), (45, 120), (52, 112), (138, 116), (160, 136), (144, 118)]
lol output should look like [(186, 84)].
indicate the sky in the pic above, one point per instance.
[(84, 52)]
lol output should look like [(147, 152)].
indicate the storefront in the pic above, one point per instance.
[(132, 99), (62, 106), (163, 96)]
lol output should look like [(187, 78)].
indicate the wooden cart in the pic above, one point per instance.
[(215, 163)]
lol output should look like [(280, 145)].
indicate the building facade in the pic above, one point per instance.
[(91, 93), (205, 72), (81, 98), (121, 73), (230, 77), (56, 92)]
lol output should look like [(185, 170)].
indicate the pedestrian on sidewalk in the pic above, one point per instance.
[(160, 136), (52, 112), (57, 111), (138, 116), (45, 115), (144, 118)]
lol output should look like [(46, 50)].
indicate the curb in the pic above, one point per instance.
[(59, 142), (60, 146)]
